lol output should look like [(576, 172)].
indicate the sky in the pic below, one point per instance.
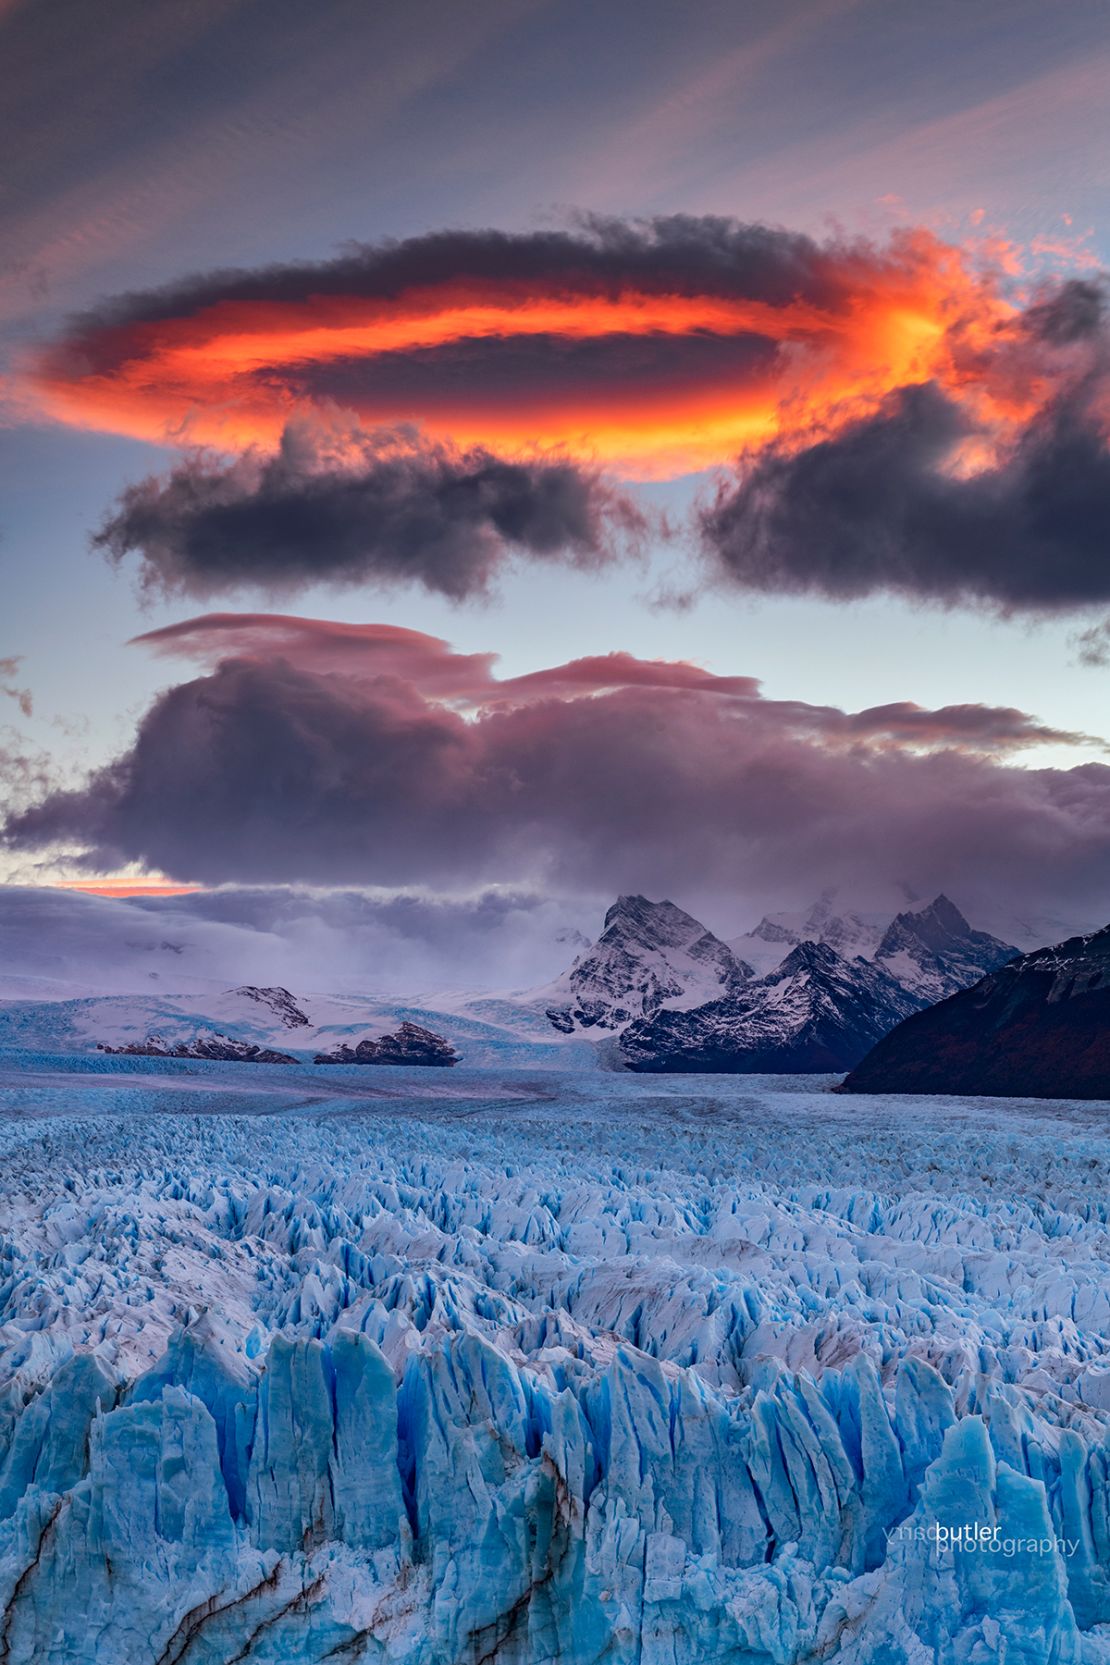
[(537, 450)]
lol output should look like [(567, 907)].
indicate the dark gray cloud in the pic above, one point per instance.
[(264, 771), (879, 507), (674, 254), (360, 508), (1074, 312), (988, 485)]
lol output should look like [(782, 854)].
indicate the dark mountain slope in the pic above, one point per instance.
[(1039, 1027)]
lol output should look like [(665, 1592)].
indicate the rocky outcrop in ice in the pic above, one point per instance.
[(410, 1044), (663, 1376), (278, 1001), (217, 1048)]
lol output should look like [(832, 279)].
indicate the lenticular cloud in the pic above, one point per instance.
[(887, 418)]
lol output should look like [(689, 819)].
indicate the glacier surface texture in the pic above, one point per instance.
[(530, 1367)]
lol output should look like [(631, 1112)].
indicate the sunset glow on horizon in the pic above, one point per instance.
[(121, 888)]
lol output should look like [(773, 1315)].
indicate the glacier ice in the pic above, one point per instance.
[(523, 1367)]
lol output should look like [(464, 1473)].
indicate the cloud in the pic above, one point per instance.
[(435, 672), (351, 508), (897, 418), (924, 499), (395, 763), (1092, 646), (427, 664), (9, 668), (653, 347), (26, 777)]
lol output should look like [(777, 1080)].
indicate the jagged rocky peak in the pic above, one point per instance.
[(822, 1007), (649, 955), (1037, 1026), (935, 951), (938, 926), (409, 1044), (815, 1012), (932, 949), (775, 930), (276, 1000), (654, 961)]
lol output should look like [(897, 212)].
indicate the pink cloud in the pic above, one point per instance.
[(366, 754)]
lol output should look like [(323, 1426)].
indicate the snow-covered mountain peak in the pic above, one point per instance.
[(815, 1011), (652, 924), (804, 956), (276, 1000), (939, 920), (776, 929), (852, 934), (649, 955), (935, 951)]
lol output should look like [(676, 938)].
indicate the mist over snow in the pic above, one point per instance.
[(56, 941)]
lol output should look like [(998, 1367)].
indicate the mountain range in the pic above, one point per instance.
[(849, 933), (810, 1014), (680, 999), (657, 992)]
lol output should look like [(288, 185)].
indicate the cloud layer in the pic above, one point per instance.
[(370, 755), (58, 941), (894, 418)]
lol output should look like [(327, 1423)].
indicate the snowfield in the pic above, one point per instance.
[(520, 1366)]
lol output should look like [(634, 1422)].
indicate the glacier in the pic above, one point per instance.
[(524, 1366)]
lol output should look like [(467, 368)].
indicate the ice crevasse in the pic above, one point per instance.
[(310, 1391)]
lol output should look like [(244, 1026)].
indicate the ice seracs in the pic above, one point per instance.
[(615, 1369)]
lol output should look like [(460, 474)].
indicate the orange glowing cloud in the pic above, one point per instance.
[(653, 351), (126, 887)]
